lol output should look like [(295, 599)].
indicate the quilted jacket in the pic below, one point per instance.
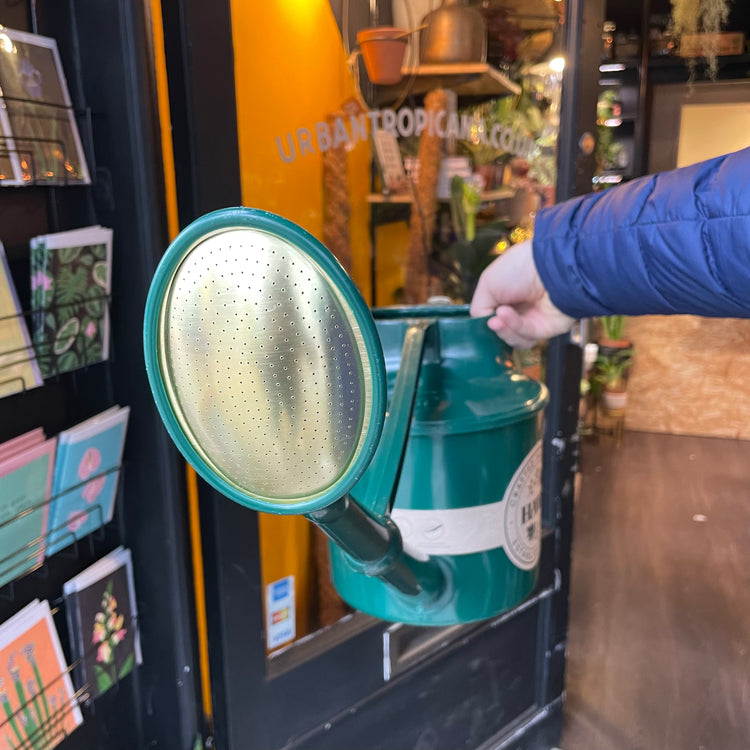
[(675, 242)]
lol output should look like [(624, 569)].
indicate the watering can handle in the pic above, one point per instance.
[(376, 490), (359, 524)]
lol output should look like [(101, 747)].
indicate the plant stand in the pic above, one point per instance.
[(614, 422)]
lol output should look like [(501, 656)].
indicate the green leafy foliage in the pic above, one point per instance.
[(610, 370), (68, 285), (706, 17), (71, 285), (466, 198)]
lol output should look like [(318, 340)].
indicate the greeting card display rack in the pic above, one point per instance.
[(39, 350), (39, 723), (158, 703), (31, 557), (30, 167)]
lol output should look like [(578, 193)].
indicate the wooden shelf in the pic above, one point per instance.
[(397, 198), (487, 197), (466, 79)]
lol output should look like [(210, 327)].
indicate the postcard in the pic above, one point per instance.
[(36, 693), (42, 142)]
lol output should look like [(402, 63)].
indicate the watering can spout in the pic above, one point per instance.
[(362, 527), (374, 547)]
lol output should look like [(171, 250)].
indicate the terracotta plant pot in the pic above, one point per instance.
[(612, 346), (383, 49)]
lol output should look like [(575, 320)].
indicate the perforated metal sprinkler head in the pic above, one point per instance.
[(268, 373)]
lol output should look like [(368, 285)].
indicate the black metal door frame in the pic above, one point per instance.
[(501, 683)]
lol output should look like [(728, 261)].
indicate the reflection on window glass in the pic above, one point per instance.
[(415, 186)]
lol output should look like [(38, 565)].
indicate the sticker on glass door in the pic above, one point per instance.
[(280, 615)]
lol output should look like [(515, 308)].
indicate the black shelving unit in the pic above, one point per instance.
[(634, 75), (106, 55)]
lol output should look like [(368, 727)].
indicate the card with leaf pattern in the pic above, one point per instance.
[(70, 286)]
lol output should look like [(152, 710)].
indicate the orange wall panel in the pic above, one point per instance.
[(291, 73)]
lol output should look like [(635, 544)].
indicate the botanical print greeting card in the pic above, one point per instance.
[(39, 708), (43, 144), (87, 466), (25, 487), (70, 285), (102, 617)]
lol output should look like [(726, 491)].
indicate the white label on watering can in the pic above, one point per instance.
[(514, 523), (523, 511)]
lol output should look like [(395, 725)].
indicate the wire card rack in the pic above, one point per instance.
[(41, 721), (31, 554), (40, 143), (44, 357)]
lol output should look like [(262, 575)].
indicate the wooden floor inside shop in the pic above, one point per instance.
[(659, 641)]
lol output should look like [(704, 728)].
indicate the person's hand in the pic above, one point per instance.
[(511, 291)]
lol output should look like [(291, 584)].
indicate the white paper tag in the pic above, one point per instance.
[(280, 615)]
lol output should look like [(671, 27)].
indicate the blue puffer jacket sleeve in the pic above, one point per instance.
[(676, 242)]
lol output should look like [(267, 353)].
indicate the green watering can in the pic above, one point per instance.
[(273, 380)]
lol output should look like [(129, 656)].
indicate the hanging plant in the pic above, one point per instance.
[(706, 17)]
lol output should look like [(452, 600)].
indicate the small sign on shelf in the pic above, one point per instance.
[(702, 45), (390, 163)]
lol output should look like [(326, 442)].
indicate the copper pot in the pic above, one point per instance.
[(455, 33)]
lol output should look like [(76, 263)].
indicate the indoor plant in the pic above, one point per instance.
[(615, 356), (610, 378), (468, 249), (706, 17)]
